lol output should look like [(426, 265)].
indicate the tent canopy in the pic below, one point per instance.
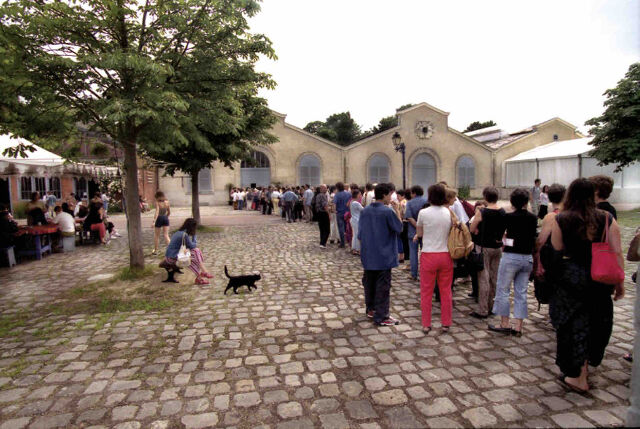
[(39, 157), (559, 149)]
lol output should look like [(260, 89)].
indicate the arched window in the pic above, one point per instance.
[(309, 170), (466, 172), (423, 171), (379, 169), (256, 170), (256, 160), (54, 185)]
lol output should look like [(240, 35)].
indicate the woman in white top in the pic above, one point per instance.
[(433, 226), (355, 208), (544, 202)]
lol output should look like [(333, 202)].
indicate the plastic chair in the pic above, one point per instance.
[(9, 255)]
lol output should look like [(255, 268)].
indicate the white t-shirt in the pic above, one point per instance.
[(369, 197), (241, 195), (66, 222), (275, 194), (234, 196), (436, 223), (459, 211), (394, 197)]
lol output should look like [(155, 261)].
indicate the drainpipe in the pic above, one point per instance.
[(579, 165), (537, 168)]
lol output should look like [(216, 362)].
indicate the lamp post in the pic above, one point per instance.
[(399, 146)]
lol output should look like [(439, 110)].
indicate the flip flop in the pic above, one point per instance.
[(576, 389)]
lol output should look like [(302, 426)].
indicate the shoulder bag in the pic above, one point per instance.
[(184, 255), (633, 254), (604, 261), (459, 242)]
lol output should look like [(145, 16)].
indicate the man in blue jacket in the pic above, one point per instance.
[(378, 231)]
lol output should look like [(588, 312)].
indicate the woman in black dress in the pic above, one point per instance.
[(581, 310)]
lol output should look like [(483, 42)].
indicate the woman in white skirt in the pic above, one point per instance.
[(355, 208)]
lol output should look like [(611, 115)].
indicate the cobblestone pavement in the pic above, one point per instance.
[(296, 353)]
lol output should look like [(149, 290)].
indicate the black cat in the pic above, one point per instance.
[(236, 282)]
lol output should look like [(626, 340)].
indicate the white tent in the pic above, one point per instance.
[(563, 161), (41, 161)]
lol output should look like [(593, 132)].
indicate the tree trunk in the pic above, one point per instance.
[(195, 197), (134, 222)]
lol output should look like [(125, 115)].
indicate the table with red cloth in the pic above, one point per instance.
[(38, 232)]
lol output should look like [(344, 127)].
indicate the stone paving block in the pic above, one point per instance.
[(603, 418), (390, 397), (480, 417), (570, 420), (402, 418), (52, 421), (289, 410), (437, 407), (15, 423), (334, 421), (245, 400), (198, 421)]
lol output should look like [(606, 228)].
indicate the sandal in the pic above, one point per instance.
[(500, 329), (426, 330), (628, 357), (516, 333), (445, 329), (563, 380), (201, 281), (206, 274)]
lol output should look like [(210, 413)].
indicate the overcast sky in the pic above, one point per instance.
[(515, 62)]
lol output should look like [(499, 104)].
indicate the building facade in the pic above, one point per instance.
[(433, 152)]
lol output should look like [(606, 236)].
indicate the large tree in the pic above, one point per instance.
[(339, 128), (117, 64), (477, 125), (616, 134)]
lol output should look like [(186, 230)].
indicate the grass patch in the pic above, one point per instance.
[(210, 229), (8, 323), (120, 295), (129, 274), (629, 218), (15, 369)]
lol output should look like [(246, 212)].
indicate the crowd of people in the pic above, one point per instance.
[(546, 234)]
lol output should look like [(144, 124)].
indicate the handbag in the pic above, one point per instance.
[(184, 255), (459, 242), (633, 255), (604, 261)]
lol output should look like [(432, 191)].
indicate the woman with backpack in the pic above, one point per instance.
[(187, 235)]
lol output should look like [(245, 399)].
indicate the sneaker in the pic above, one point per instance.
[(390, 321), (370, 314), (322, 246)]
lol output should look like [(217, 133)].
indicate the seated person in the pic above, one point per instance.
[(95, 221), (65, 221), (187, 232), (8, 227), (35, 210), (66, 209), (81, 211)]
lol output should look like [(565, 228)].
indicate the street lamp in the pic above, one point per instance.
[(399, 146)]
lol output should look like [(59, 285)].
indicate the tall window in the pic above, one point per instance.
[(379, 169), (54, 185), (25, 188), (80, 186), (466, 172), (204, 180), (309, 170), (41, 185), (255, 170), (423, 171)]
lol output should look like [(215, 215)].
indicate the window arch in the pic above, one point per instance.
[(423, 170), (466, 172), (309, 170), (256, 170), (378, 169), (256, 160)]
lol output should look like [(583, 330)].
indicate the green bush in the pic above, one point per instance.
[(20, 210), (464, 192)]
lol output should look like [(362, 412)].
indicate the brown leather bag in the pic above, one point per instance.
[(633, 254)]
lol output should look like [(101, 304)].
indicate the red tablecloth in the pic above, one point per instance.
[(37, 230)]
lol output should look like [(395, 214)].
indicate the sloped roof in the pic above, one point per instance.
[(558, 149), (509, 138)]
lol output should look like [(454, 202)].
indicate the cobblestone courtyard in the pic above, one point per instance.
[(296, 353)]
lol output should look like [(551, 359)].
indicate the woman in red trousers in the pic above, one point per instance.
[(436, 265)]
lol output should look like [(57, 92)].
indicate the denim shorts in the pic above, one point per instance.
[(162, 221)]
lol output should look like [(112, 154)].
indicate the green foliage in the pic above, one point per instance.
[(464, 192), (630, 218), (339, 128), (153, 76), (209, 229), (477, 125), (616, 133), (100, 150), (10, 322), (20, 210)]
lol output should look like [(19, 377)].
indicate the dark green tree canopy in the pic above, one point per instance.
[(616, 133), (339, 128), (149, 74), (477, 125)]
